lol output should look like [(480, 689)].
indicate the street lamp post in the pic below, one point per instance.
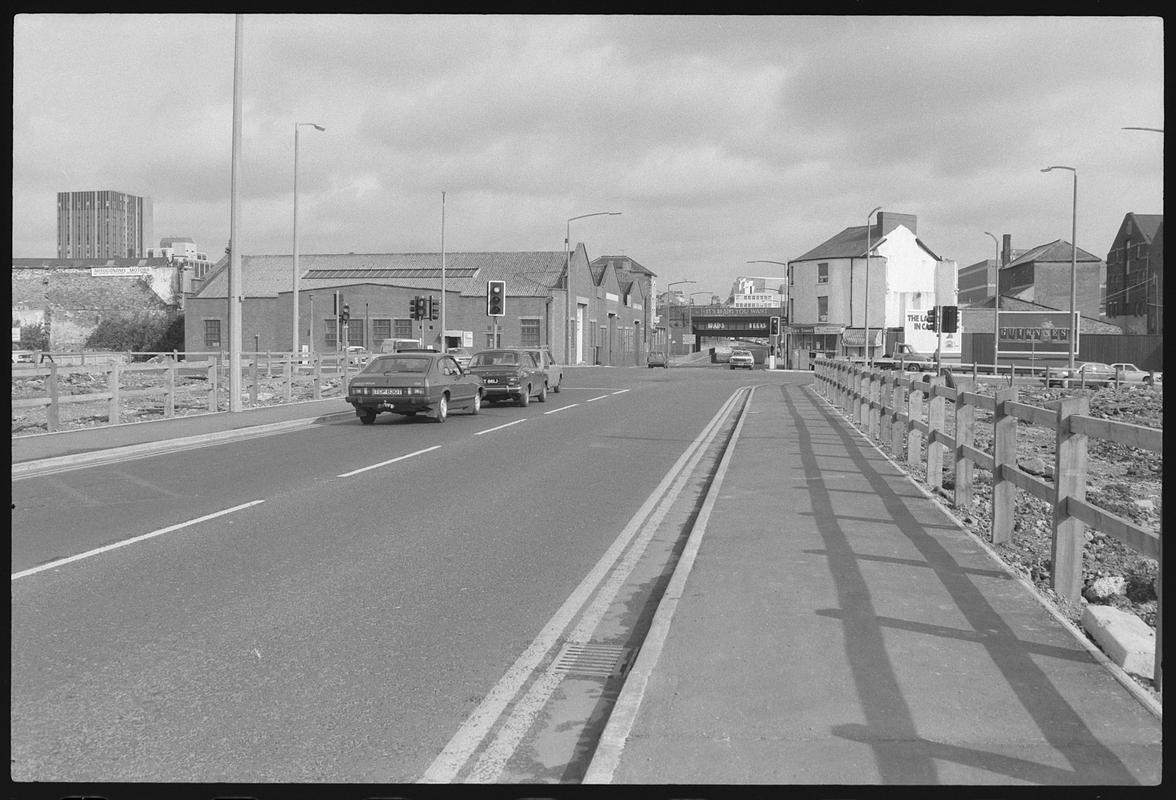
[(1073, 263), (568, 276), (783, 328), (866, 311), (294, 307), (995, 306)]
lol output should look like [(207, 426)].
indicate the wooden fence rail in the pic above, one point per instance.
[(909, 411), (115, 370)]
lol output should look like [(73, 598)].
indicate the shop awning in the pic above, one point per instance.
[(856, 337)]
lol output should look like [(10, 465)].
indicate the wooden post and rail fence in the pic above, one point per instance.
[(910, 411), (165, 373)]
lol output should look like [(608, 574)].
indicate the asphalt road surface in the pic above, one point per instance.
[(334, 604)]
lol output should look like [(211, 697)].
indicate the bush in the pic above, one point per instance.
[(137, 334), (34, 337)]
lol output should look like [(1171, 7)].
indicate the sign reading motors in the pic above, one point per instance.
[(1029, 333), (120, 272)]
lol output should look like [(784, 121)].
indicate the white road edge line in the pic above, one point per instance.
[(500, 427), (561, 408), (601, 397), (132, 540), (386, 463), (493, 761), (481, 721), (607, 756), (622, 391)]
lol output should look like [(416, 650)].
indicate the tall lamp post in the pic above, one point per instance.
[(1073, 263), (668, 285), (866, 311), (296, 282), (783, 328), (568, 275), (995, 306)]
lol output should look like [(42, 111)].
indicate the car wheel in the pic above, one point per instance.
[(1148, 380), (367, 417), (542, 396), (525, 397), (476, 403), (557, 386), (442, 411)]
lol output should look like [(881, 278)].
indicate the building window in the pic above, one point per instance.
[(355, 331), (403, 328), (329, 331), (823, 308), (212, 333), (529, 332), (381, 330), (823, 273)]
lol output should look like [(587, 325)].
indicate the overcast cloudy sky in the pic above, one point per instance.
[(721, 139)]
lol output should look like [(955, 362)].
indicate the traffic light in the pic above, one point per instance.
[(412, 308), (774, 327), (951, 319), (495, 298), (346, 315), (933, 318), (434, 308)]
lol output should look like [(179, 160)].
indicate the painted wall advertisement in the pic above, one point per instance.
[(1040, 333), (918, 334)]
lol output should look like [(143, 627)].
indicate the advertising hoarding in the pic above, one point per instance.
[(1035, 333)]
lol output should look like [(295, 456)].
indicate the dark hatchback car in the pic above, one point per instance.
[(412, 383), (510, 375)]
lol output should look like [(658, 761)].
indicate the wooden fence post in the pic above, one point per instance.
[(169, 390), (914, 413), (886, 399), (855, 405), (53, 412), (253, 379), (288, 374), (1004, 455), (318, 377), (1069, 532), (875, 403), (965, 434), (1158, 669), (936, 416), (212, 372), (112, 385), (901, 396)]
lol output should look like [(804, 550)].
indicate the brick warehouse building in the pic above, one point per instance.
[(609, 307)]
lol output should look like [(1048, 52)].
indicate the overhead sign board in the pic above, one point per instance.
[(1035, 333), (119, 272)]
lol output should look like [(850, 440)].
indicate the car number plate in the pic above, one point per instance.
[(388, 391), (492, 380)]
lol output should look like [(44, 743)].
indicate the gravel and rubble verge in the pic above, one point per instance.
[(1125, 481)]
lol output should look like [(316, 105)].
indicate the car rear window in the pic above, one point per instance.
[(418, 364), (495, 360)]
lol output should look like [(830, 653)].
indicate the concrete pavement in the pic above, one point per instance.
[(830, 624), (827, 624)]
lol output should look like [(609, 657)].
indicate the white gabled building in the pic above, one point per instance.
[(827, 289)]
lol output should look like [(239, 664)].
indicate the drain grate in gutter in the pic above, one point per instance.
[(601, 660)]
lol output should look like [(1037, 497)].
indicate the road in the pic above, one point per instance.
[(352, 603)]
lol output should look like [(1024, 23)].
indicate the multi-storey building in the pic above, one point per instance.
[(828, 286), (755, 293), (1042, 275), (977, 282), (183, 252), (103, 224), (1135, 275)]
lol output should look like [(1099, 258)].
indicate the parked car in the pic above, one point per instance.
[(548, 364), (357, 354), (741, 358), (461, 355), (411, 383), (1092, 373), (1126, 371), (510, 374), (396, 345), (657, 358), (23, 357)]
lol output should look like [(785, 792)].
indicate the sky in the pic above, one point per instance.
[(720, 139)]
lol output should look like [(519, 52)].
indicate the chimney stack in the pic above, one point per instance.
[(1006, 249)]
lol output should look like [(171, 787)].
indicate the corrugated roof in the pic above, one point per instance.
[(1058, 250), (527, 274)]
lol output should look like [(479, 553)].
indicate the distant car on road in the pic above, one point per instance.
[(411, 383), (510, 374), (741, 358), (1126, 371), (357, 354), (548, 364), (461, 355), (23, 357), (657, 358), (1092, 373)]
